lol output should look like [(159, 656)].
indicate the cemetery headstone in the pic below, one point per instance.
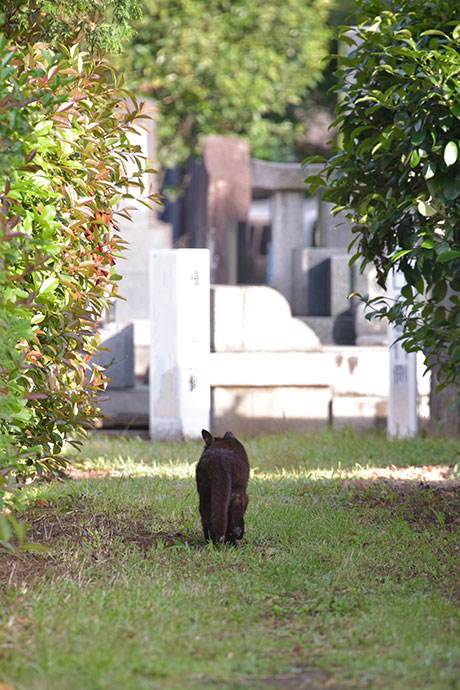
[(217, 200)]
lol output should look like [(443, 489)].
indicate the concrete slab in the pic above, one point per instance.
[(256, 319), (270, 410)]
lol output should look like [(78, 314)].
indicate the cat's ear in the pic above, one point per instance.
[(207, 437), (228, 434)]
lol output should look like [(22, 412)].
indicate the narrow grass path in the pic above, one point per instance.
[(348, 576)]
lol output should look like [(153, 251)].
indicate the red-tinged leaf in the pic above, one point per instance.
[(31, 155), (12, 235), (53, 71), (12, 222), (65, 106)]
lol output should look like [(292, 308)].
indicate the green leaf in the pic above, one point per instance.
[(48, 285), (440, 291), (425, 209), (414, 158), (314, 182), (449, 255), (7, 58), (399, 254), (455, 354), (406, 292), (450, 153), (455, 109), (5, 529), (48, 213), (355, 258), (429, 170)]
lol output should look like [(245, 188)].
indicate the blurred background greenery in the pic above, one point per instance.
[(253, 68)]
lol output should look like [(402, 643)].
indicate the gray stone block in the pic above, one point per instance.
[(333, 330), (118, 358), (334, 230), (126, 409), (322, 281), (271, 176), (341, 284)]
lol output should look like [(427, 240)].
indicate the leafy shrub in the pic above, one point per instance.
[(397, 170), (64, 157), (99, 24)]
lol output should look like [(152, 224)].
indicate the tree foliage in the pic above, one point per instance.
[(99, 24), (226, 67), (65, 157), (396, 172)]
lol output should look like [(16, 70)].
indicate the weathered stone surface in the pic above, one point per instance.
[(271, 369), (349, 385), (144, 235), (270, 410), (256, 319), (373, 331), (179, 347), (119, 355), (333, 330), (287, 233), (334, 230), (322, 281), (126, 409), (218, 199), (362, 412), (271, 177)]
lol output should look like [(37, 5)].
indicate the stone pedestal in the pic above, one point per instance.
[(291, 217), (322, 281), (402, 399), (179, 405)]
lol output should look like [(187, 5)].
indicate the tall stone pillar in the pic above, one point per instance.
[(179, 398), (402, 402), (217, 200), (287, 234)]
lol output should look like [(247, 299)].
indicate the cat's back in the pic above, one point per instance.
[(226, 454)]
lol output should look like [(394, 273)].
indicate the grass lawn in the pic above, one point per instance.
[(348, 576)]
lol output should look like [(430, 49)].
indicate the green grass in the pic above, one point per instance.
[(336, 584)]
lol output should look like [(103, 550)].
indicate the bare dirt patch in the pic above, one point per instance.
[(304, 678), (422, 496), (58, 526)]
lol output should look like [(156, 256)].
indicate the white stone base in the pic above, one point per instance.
[(270, 410)]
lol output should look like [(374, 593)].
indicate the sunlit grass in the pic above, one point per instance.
[(337, 583)]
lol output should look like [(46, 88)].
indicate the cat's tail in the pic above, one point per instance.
[(220, 500)]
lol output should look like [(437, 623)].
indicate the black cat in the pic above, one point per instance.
[(222, 477)]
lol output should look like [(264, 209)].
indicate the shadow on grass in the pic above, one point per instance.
[(74, 521)]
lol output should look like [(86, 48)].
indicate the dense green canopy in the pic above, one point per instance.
[(236, 67), (397, 170)]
